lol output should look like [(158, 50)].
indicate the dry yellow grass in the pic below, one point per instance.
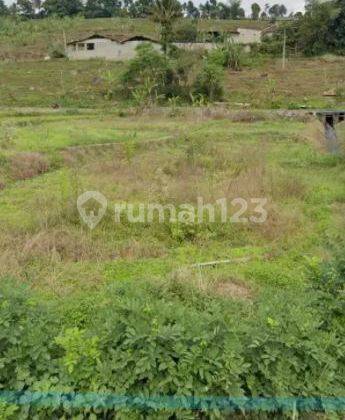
[(301, 84)]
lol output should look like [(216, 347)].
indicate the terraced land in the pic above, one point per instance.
[(48, 159), (169, 317)]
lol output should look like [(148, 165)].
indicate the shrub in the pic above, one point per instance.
[(148, 65), (28, 165), (185, 31), (229, 55), (169, 339), (56, 51), (209, 82), (151, 76)]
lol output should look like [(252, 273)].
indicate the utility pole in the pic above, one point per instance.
[(64, 40), (284, 50)]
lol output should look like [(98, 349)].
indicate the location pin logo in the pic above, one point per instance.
[(92, 206)]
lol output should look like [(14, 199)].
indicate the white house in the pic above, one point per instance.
[(122, 47), (109, 47)]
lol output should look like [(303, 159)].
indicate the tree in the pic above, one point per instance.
[(165, 12), (25, 8), (205, 10), (95, 9), (321, 29), (256, 9), (37, 4), (191, 10), (140, 8), (274, 11), (277, 10), (224, 11), (63, 7), (298, 15), (186, 31), (236, 11), (282, 10), (313, 30), (112, 7), (102, 8), (3, 8), (210, 10), (337, 27)]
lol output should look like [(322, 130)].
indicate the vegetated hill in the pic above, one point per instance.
[(32, 39)]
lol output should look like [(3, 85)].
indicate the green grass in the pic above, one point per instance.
[(56, 83), (300, 86), (125, 308), (87, 84), (47, 244)]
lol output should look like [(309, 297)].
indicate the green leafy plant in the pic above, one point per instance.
[(169, 338), (209, 82), (228, 54), (56, 50), (80, 351)]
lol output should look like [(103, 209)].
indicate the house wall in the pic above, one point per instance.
[(245, 37), (112, 50), (248, 36), (106, 49), (193, 46)]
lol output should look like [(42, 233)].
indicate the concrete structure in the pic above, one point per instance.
[(330, 117), (248, 36), (122, 48), (108, 47), (329, 120), (243, 36)]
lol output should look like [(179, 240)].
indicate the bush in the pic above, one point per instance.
[(185, 31), (151, 76), (169, 339), (229, 55), (56, 51), (148, 67), (209, 82)]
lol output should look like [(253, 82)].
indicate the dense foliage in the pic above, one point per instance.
[(152, 77), (320, 30), (135, 8), (169, 339)]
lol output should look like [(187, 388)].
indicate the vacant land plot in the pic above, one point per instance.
[(166, 315), (305, 83), (94, 84), (48, 160)]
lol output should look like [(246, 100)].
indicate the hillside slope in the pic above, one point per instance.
[(32, 39)]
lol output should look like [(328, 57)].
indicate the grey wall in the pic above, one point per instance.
[(112, 50), (106, 49)]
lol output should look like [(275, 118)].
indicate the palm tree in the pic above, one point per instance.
[(165, 12)]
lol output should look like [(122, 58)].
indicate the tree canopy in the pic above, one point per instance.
[(215, 9)]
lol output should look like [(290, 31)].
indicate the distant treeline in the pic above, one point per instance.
[(320, 30), (138, 9)]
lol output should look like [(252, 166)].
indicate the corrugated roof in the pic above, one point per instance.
[(120, 38), (269, 30)]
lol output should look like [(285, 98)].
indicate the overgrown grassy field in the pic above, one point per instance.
[(122, 308), (304, 83), (50, 158), (261, 84), (194, 317)]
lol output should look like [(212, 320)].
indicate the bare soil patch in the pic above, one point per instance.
[(233, 289)]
